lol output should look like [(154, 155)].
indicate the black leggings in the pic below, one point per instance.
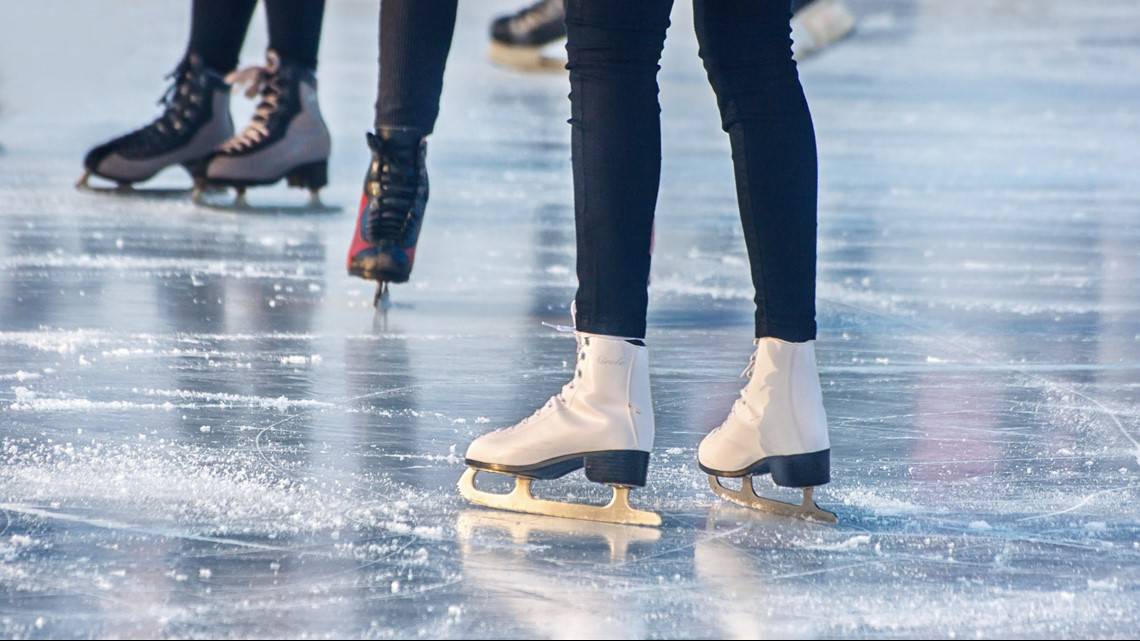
[(614, 48), (415, 37), (217, 30)]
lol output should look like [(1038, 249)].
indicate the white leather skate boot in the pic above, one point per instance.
[(778, 426), (602, 420)]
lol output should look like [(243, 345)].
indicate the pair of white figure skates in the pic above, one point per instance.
[(602, 421)]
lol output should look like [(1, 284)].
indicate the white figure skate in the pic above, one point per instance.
[(778, 426), (602, 420)]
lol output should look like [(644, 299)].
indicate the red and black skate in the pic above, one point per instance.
[(391, 210)]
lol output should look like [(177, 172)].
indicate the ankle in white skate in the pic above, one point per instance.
[(778, 427), (602, 421)]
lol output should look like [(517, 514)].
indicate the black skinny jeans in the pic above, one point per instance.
[(217, 30), (415, 37), (614, 47)]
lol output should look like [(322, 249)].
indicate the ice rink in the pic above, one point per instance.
[(205, 429)]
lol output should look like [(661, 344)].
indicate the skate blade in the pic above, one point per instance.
[(127, 189), (382, 301), (239, 204), (520, 499), (748, 497), (530, 59)]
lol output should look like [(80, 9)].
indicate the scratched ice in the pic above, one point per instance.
[(205, 432)]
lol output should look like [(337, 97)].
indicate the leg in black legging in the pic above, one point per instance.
[(746, 48), (295, 29), (217, 30), (415, 37), (614, 48)]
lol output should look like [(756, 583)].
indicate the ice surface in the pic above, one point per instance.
[(204, 431)]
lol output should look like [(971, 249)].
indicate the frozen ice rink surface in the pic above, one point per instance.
[(204, 430)]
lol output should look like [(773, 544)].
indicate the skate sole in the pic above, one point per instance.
[(627, 468), (524, 58), (127, 187), (312, 175), (811, 469), (380, 276), (521, 499)]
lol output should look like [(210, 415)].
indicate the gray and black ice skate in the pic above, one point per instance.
[(194, 121), (285, 139), (520, 40)]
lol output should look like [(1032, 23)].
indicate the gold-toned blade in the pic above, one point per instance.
[(520, 499), (747, 497), (524, 58)]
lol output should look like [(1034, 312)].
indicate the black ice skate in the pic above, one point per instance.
[(194, 121), (518, 40), (392, 208), (285, 139)]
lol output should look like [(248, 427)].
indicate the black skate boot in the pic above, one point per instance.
[(286, 138), (194, 121), (518, 40), (391, 210)]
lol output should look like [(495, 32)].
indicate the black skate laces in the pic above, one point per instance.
[(393, 186), (257, 80), (181, 102)]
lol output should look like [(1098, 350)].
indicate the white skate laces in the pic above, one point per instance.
[(563, 396), (256, 80)]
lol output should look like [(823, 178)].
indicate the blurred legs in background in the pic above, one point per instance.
[(524, 40), (286, 137)]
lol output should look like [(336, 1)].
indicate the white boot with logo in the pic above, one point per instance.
[(602, 421)]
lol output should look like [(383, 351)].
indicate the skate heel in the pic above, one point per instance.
[(627, 468), (197, 168), (801, 470), (313, 175)]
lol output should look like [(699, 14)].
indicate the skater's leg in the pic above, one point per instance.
[(603, 418), (217, 31), (613, 50), (295, 29), (415, 37), (746, 50), (778, 427)]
